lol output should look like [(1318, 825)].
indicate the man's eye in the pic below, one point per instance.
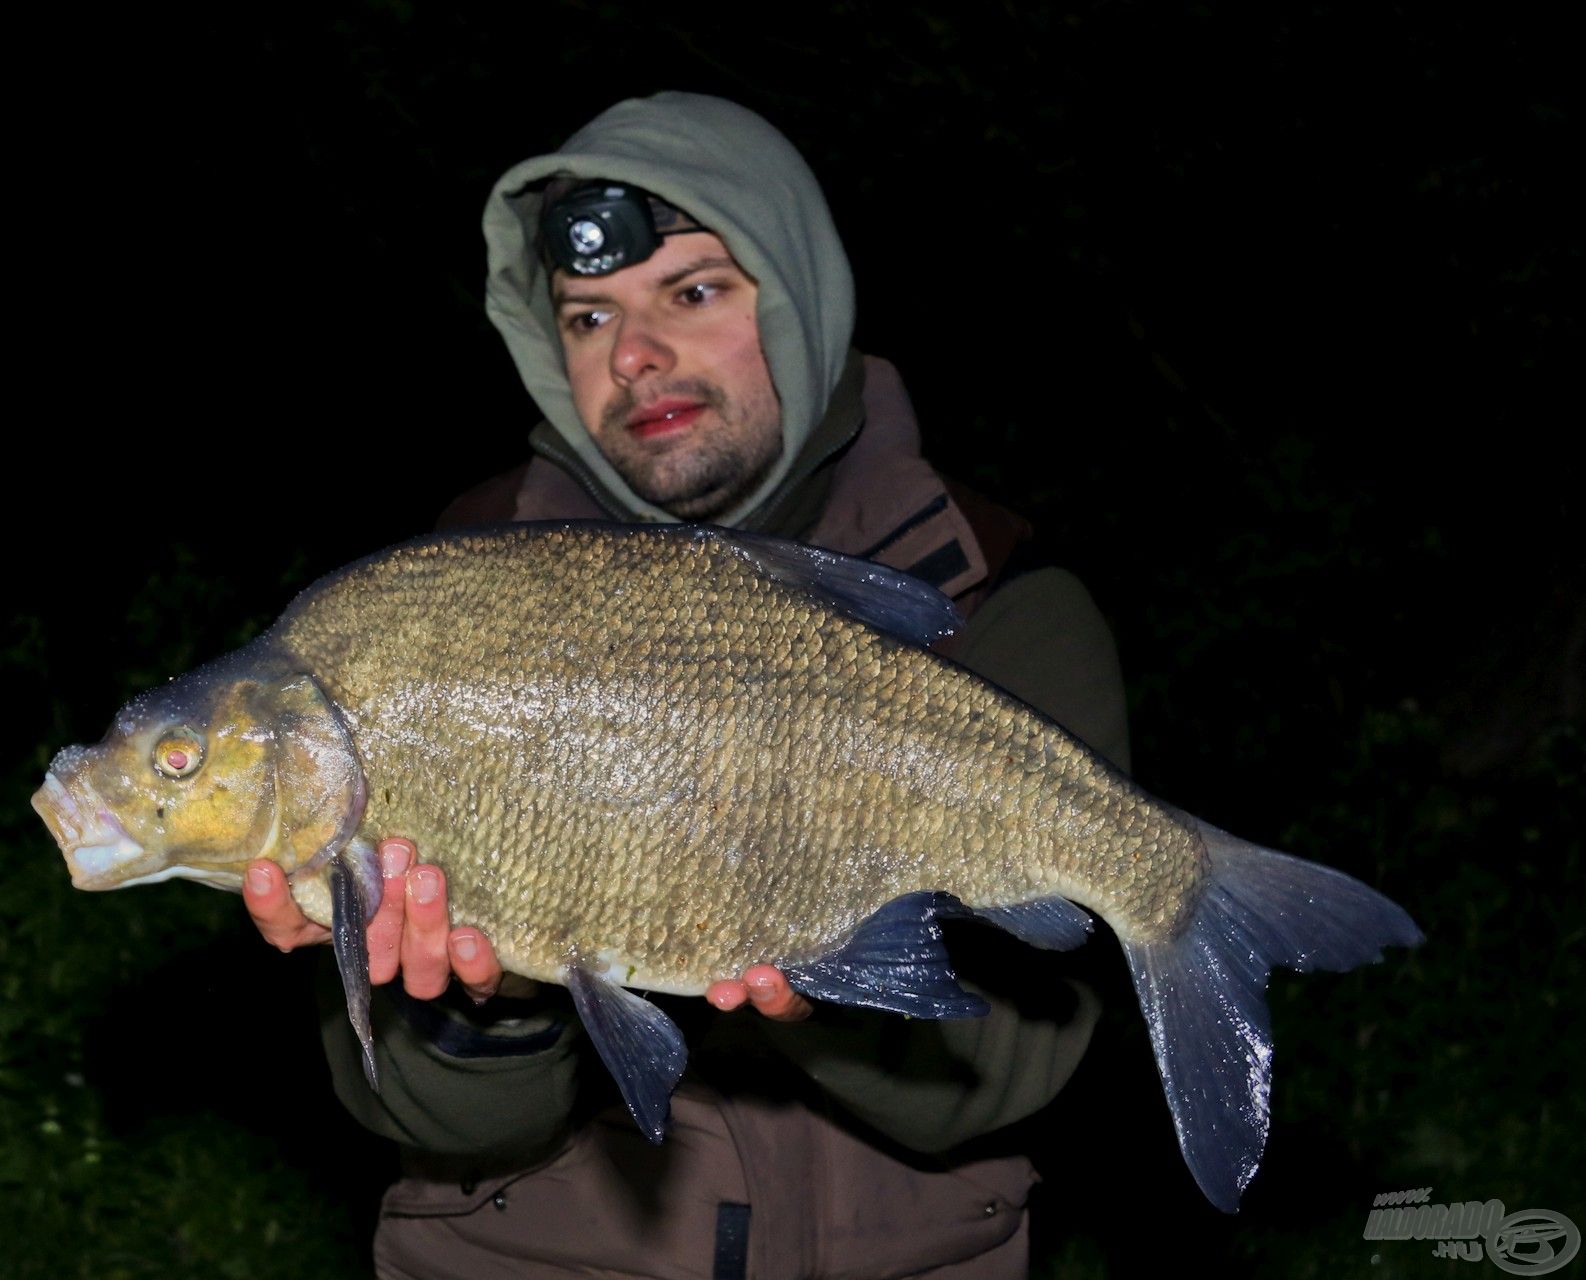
[(586, 321), (696, 295)]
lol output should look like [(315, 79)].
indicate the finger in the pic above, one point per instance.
[(426, 967), (770, 994), (385, 926), (474, 962), (269, 902), (729, 994)]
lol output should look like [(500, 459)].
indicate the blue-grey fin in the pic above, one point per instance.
[(897, 603), (641, 1047), (880, 597), (895, 961), (1203, 993), (353, 900), (1054, 923)]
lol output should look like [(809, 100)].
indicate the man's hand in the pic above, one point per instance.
[(410, 932), (766, 988)]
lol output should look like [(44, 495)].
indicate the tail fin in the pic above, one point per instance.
[(1202, 993)]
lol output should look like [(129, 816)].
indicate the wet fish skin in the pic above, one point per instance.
[(655, 757), (650, 749)]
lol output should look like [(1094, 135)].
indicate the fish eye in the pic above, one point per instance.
[(179, 753)]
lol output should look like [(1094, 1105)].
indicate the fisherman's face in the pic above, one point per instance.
[(668, 376)]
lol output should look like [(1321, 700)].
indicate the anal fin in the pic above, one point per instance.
[(1054, 923), (895, 961), (641, 1047)]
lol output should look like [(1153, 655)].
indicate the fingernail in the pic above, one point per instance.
[(426, 886), (259, 881), (394, 859), (760, 982), (466, 947)]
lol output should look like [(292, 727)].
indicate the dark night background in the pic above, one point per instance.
[(1261, 312)]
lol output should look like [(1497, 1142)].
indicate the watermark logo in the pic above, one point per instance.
[(1532, 1242)]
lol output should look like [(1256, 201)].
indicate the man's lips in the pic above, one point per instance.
[(664, 417)]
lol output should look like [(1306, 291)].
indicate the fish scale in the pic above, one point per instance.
[(657, 757), (567, 617)]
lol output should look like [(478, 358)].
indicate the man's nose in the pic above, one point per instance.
[(639, 351)]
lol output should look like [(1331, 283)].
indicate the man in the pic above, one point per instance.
[(679, 305)]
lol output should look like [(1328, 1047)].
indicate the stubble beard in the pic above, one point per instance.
[(707, 469)]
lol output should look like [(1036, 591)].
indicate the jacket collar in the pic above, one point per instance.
[(859, 486)]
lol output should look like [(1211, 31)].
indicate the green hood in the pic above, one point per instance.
[(738, 176)]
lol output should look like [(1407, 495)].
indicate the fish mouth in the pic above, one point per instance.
[(99, 852)]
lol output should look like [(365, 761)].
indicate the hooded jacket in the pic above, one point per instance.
[(735, 174), (846, 1146)]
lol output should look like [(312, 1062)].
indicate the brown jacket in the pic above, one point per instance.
[(850, 1146)]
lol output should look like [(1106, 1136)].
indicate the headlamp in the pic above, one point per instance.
[(601, 227)]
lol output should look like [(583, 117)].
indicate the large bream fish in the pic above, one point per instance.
[(650, 758)]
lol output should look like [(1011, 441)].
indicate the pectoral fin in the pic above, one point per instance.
[(895, 961), (353, 900), (641, 1047)]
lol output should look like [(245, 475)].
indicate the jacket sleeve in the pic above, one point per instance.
[(1042, 638), (453, 1083), (933, 1085)]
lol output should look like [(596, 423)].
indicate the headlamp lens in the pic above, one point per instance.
[(586, 236)]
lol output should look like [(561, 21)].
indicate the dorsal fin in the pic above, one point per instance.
[(890, 601), (901, 605)]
